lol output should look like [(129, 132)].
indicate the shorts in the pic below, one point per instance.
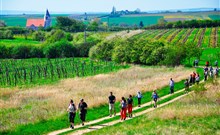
[(111, 106), (72, 117)]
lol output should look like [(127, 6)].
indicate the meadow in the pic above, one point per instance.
[(44, 98), (132, 20), (148, 19), (198, 113)]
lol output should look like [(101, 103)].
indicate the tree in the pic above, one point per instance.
[(56, 35), (141, 25), (69, 25), (39, 36)]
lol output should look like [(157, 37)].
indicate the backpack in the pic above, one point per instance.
[(72, 108), (123, 105)]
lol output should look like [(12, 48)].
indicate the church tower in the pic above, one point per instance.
[(47, 19)]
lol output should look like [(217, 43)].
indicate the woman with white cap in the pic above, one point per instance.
[(83, 110)]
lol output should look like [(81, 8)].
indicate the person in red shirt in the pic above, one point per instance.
[(123, 108), (130, 105)]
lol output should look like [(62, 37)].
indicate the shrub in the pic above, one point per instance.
[(56, 35), (39, 36), (4, 51), (83, 49), (21, 51), (59, 49)]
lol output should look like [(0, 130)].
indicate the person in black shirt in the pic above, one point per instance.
[(130, 104), (112, 100), (83, 110)]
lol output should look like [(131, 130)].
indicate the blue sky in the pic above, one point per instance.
[(104, 5)]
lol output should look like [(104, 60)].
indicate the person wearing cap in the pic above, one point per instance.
[(82, 110), (72, 113)]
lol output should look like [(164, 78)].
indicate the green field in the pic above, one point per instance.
[(43, 71), (133, 20), (20, 20), (215, 17)]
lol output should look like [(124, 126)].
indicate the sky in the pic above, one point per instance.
[(104, 5)]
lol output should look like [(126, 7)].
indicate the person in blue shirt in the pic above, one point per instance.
[(155, 98)]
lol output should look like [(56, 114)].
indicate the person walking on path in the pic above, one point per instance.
[(186, 83), (197, 79), (196, 63), (216, 63), (112, 100), (190, 79), (216, 71), (206, 68), (155, 98), (72, 113), (130, 105), (194, 77), (211, 72), (205, 75), (207, 63), (139, 96), (123, 108), (171, 86), (83, 110)]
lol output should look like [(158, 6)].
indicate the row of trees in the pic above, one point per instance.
[(142, 51), (185, 24), (55, 45), (58, 49)]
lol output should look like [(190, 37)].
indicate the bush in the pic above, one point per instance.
[(59, 49), (21, 52), (56, 35), (36, 52), (83, 49), (39, 36), (4, 51), (7, 34), (69, 37)]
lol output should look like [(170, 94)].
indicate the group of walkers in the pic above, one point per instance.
[(193, 78), (82, 107), (127, 105)]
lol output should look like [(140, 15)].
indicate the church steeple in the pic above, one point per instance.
[(47, 19)]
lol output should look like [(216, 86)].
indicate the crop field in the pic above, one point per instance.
[(204, 37), (41, 71), (133, 20)]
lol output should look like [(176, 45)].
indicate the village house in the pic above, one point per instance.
[(34, 24)]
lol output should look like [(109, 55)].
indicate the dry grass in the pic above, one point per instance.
[(47, 101)]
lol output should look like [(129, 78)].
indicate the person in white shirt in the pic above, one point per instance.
[(139, 96), (72, 113)]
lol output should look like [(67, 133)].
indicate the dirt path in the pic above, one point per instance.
[(93, 128), (111, 123)]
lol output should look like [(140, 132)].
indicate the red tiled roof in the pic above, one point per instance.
[(35, 22)]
